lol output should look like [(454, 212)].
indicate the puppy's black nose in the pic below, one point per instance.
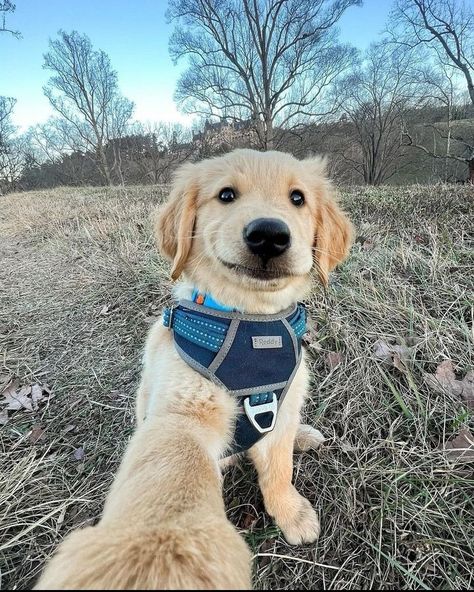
[(267, 237)]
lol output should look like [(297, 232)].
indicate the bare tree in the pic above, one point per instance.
[(147, 153), (13, 148), (450, 136), (446, 29), (6, 107), (7, 7), (445, 26), (84, 91), (7, 130), (156, 149), (269, 62), (376, 94), (52, 150)]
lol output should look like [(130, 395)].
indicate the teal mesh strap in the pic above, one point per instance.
[(206, 333), (298, 322), (211, 334)]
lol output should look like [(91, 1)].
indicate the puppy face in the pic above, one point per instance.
[(254, 221)]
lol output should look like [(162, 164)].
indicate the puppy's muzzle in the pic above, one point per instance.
[(267, 237)]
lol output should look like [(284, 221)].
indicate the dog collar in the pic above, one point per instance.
[(252, 356), (206, 299)]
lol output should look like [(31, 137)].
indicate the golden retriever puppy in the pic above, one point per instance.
[(244, 233), (164, 524)]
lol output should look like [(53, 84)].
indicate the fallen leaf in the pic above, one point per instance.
[(391, 354), (104, 310), (79, 453), (107, 309), (27, 397), (381, 349), (333, 359), (69, 428), (468, 392), (5, 379), (462, 446), (398, 362), (310, 338), (367, 245), (36, 395), (10, 385), (444, 379), (249, 520), (17, 399), (36, 434), (266, 547)]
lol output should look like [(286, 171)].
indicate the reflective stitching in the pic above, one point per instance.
[(259, 318), (291, 333), (227, 344)]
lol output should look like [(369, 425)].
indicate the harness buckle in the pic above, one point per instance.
[(170, 318), (253, 411)]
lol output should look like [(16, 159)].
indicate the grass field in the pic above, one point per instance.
[(80, 283)]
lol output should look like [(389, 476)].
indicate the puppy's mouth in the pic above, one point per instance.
[(259, 273)]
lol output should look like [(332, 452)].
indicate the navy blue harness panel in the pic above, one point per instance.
[(254, 357), (247, 368)]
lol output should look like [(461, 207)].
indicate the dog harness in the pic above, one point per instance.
[(254, 357)]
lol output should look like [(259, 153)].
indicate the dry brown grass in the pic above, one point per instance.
[(79, 284)]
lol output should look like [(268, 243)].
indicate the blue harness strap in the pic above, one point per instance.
[(254, 357)]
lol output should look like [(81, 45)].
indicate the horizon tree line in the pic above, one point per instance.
[(275, 67)]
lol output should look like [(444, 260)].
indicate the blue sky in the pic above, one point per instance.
[(135, 35)]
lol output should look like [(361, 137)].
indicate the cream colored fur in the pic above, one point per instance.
[(197, 233), (164, 524)]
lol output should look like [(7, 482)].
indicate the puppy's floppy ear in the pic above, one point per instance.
[(333, 229), (174, 220)]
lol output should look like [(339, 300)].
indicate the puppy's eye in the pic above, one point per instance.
[(227, 194), (297, 198)]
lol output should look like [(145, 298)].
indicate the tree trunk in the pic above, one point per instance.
[(270, 141), (104, 165)]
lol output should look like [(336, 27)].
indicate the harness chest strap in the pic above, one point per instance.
[(254, 357)]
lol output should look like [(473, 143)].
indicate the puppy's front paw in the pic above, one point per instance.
[(298, 521), (308, 438)]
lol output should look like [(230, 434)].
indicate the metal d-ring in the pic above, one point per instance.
[(253, 411)]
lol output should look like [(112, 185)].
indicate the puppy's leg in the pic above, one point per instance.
[(308, 438), (273, 459), (147, 376)]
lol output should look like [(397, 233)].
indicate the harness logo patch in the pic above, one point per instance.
[(267, 342)]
